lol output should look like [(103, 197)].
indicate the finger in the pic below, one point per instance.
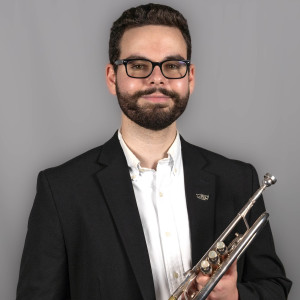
[(201, 280), (232, 269)]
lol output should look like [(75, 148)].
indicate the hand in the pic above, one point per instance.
[(226, 289)]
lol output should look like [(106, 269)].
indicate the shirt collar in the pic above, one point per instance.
[(173, 159)]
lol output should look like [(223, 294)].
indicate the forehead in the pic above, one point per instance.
[(154, 42)]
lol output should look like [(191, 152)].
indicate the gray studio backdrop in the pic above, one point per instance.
[(54, 103)]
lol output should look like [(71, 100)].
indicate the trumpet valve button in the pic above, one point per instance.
[(205, 267), (221, 248), (213, 257)]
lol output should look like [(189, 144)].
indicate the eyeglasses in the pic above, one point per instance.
[(142, 68)]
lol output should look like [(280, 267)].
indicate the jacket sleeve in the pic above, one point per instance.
[(43, 271), (263, 275)]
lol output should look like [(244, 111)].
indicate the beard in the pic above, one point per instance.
[(153, 116)]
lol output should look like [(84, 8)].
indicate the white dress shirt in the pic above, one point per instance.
[(160, 197)]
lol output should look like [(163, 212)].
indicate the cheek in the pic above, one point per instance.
[(127, 84), (180, 86)]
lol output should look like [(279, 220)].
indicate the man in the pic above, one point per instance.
[(127, 219)]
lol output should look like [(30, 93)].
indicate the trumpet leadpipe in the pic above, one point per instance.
[(235, 254), (220, 257)]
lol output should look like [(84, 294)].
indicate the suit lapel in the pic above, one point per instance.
[(199, 185), (116, 185)]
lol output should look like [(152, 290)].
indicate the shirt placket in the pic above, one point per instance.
[(167, 227)]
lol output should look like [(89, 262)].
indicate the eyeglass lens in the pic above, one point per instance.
[(143, 68)]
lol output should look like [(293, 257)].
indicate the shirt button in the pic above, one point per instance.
[(175, 275), (168, 234), (161, 194)]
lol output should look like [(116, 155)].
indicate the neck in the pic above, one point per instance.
[(148, 146)]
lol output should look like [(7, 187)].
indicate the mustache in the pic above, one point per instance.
[(155, 90)]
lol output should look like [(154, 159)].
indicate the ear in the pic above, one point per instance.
[(192, 78), (111, 78)]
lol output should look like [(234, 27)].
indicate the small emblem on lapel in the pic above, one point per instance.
[(202, 197)]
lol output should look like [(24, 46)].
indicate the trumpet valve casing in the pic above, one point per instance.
[(220, 257)]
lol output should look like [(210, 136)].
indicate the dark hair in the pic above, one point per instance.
[(149, 14)]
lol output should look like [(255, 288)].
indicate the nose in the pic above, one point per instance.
[(156, 77)]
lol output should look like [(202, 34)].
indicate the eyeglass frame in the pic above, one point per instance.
[(124, 62)]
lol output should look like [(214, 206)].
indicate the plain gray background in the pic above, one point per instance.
[(55, 105)]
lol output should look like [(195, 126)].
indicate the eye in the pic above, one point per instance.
[(172, 65), (138, 65)]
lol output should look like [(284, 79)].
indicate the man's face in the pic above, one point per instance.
[(154, 102)]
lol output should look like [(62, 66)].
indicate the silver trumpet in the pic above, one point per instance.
[(220, 256)]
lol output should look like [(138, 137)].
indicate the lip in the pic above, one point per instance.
[(156, 98)]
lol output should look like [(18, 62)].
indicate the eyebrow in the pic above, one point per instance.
[(170, 57)]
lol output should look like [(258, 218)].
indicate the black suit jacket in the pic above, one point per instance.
[(85, 239)]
